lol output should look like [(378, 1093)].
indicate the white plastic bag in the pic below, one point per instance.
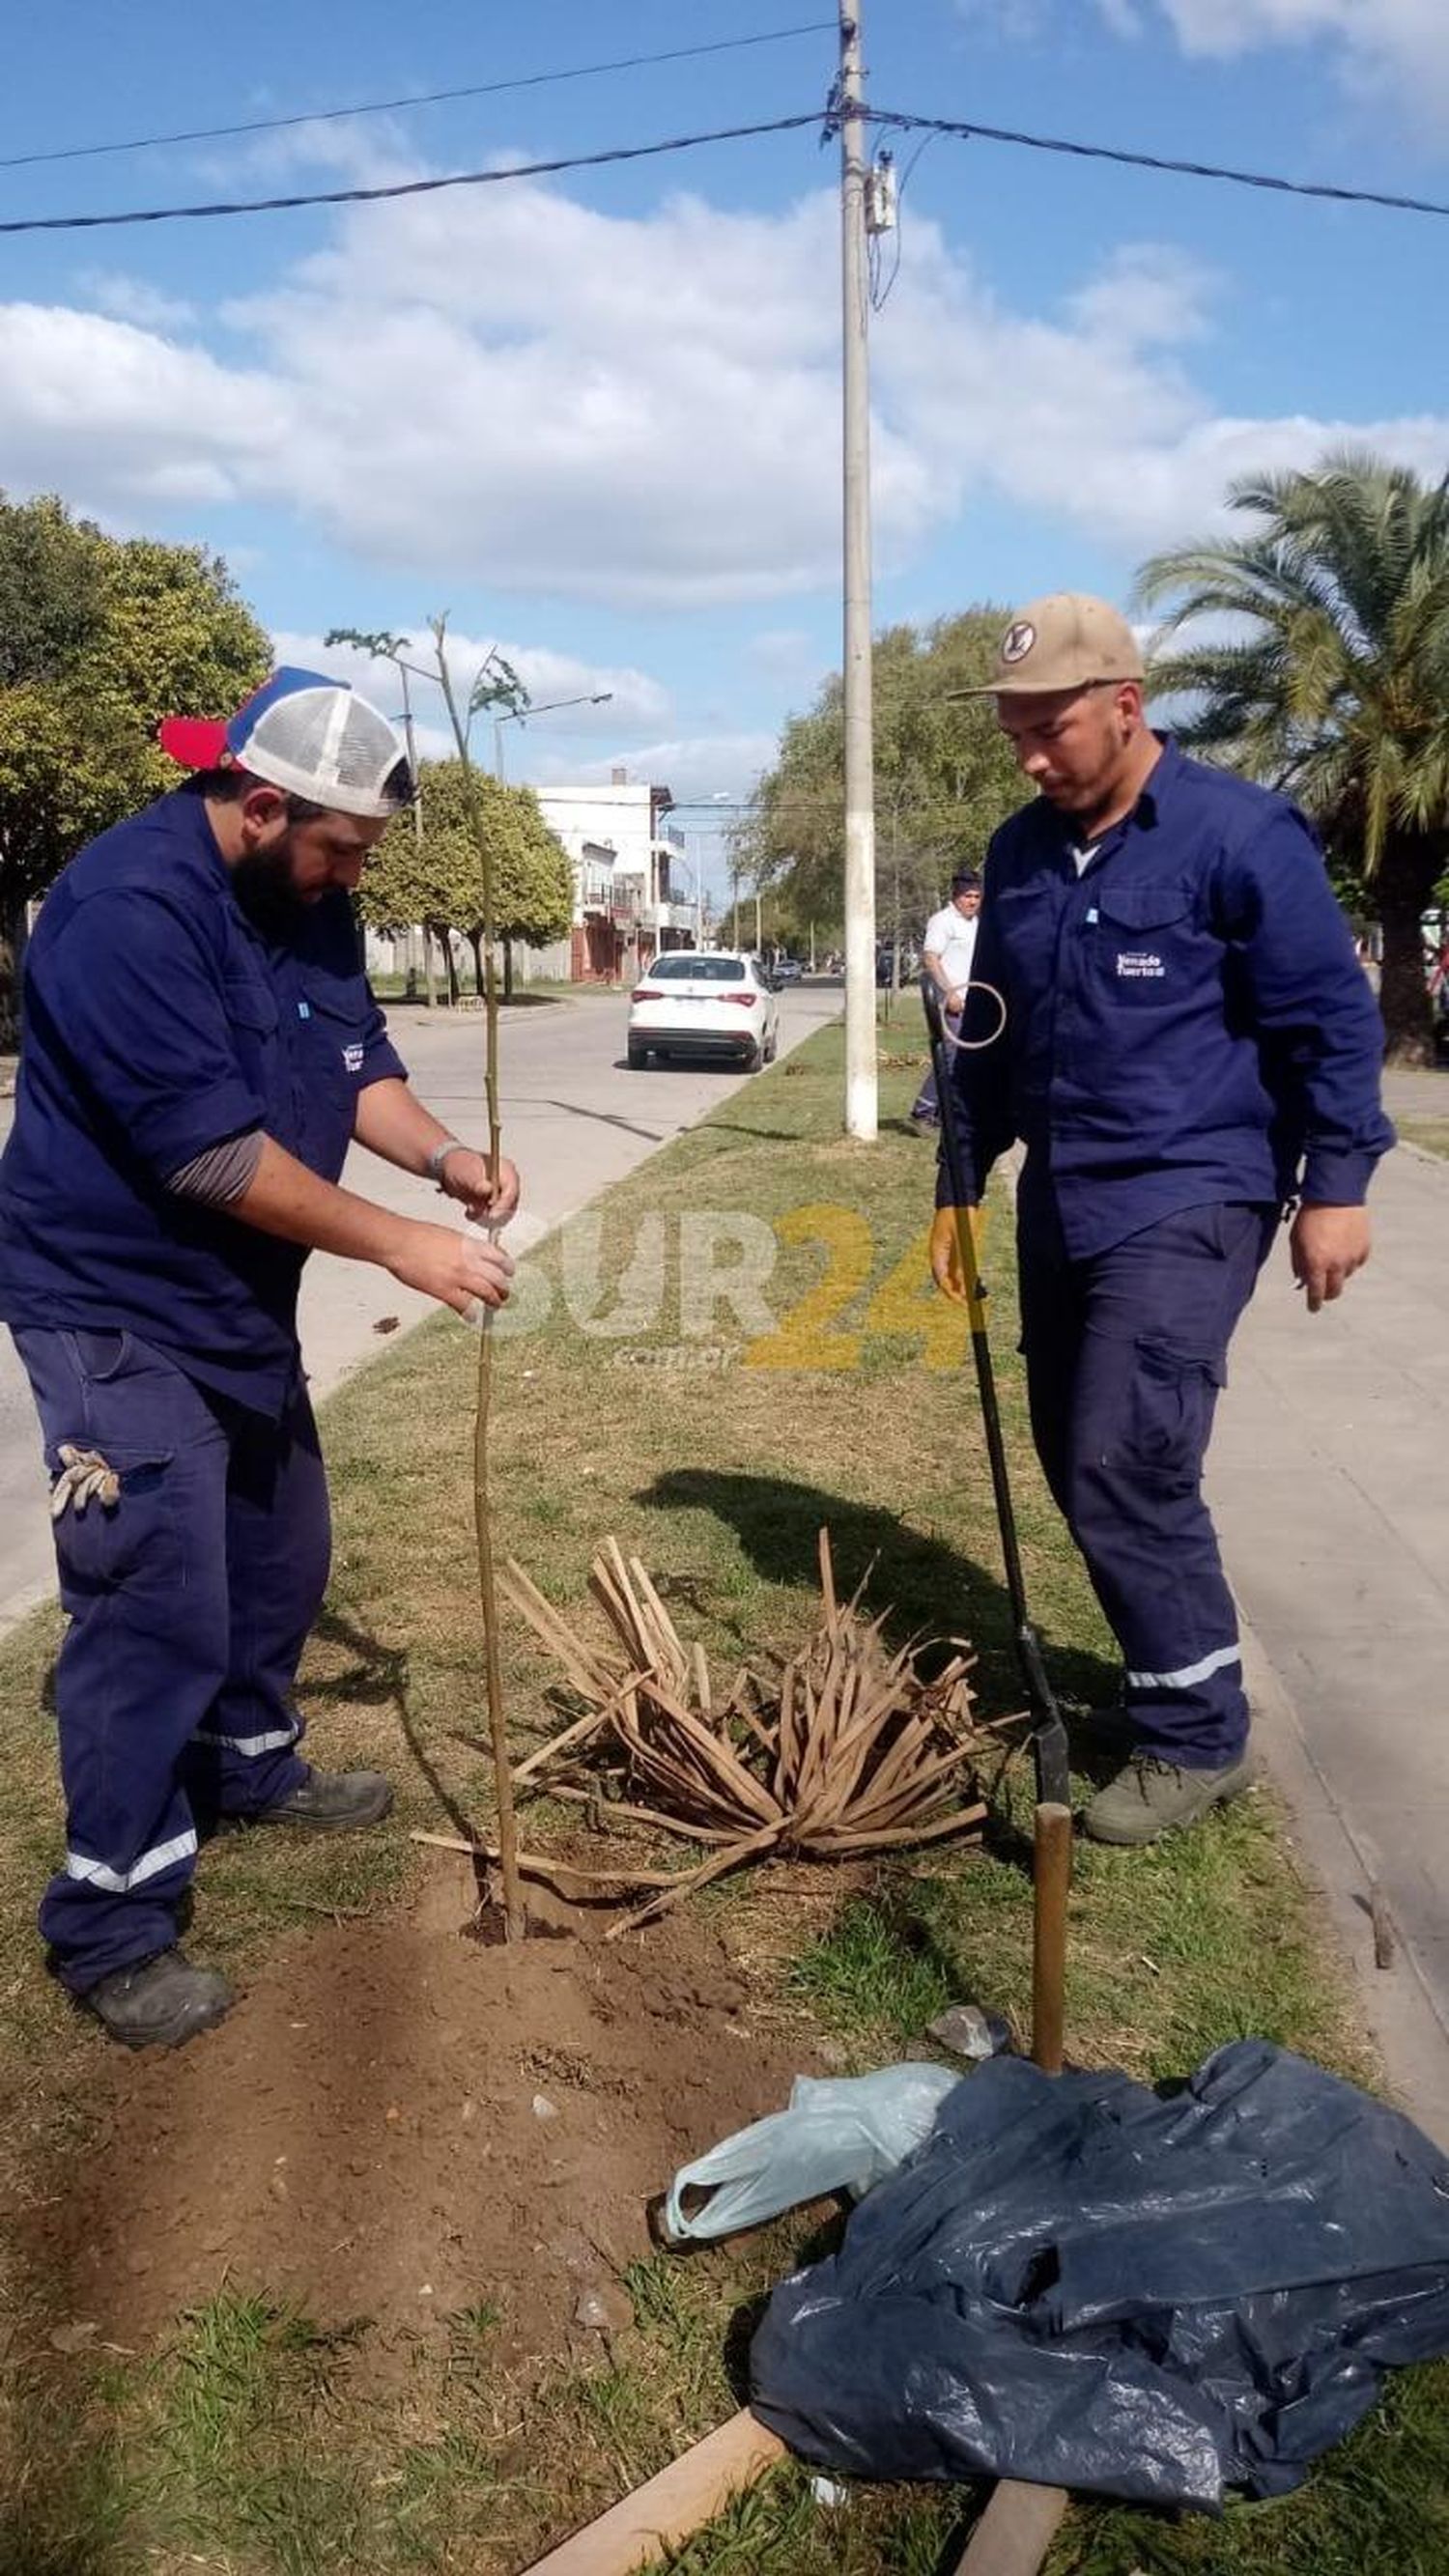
[(840, 2133)]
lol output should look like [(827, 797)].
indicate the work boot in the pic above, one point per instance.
[(1150, 1797), (161, 2003), (330, 1802)]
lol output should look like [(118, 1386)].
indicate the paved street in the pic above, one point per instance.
[(574, 1119), (1330, 1479)]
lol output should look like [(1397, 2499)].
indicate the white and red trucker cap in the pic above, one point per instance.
[(313, 736)]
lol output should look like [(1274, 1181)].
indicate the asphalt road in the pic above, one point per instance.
[(575, 1119)]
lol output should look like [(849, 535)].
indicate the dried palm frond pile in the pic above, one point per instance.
[(848, 1751)]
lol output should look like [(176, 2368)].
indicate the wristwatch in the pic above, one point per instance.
[(433, 1167)]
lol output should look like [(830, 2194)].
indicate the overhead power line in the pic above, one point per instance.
[(423, 98), (898, 118), (973, 133), (406, 187)]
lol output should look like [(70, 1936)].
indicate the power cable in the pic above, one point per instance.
[(405, 187), (972, 133), (423, 98), (888, 117)]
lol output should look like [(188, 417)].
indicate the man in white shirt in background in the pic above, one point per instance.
[(948, 948)]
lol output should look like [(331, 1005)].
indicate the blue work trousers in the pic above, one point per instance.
[(189, 1598), (1125, 1354), (926, 1105)]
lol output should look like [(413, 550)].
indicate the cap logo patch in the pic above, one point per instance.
[(1018, 640)]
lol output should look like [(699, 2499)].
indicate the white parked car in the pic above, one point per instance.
[(704, 1002)]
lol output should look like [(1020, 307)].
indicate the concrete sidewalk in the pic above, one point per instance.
[(1329, 1477)]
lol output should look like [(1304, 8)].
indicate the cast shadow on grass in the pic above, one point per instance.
[(926, 1587), (379, 1677)]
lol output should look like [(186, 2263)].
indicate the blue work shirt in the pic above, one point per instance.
[(158, 1022), (1186, 1020)]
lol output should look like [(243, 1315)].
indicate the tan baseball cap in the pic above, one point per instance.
[(1065, 641)]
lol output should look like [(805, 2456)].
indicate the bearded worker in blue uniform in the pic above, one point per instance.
[(1190, 1051), (199, 1050)]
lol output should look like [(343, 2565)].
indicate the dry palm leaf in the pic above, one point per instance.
[(851, 1752)]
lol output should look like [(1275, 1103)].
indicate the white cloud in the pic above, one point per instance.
[(107, 410), (513, 390), (1397, 48), (1402, 41), (134, 299), (707, 767), (635, 699), (1091, 419)]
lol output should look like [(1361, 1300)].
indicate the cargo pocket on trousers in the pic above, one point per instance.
[(1171, 1413), (100, 1544)]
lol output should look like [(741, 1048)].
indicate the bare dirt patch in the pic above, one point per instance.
[(397, 2124)]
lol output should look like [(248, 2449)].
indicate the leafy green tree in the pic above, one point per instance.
[(1332, 682), (945, 777), (436, 878), (99, 638)]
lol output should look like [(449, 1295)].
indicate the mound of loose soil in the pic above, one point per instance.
[(397, 2122)]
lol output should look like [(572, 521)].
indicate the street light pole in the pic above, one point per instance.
[(429, 992), (861, 1087), (522, 715)]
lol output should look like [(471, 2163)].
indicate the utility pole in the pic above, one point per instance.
[(861, 1087)]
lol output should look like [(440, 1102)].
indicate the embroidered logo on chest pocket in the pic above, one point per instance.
[(352, 1058), (1139, 962)]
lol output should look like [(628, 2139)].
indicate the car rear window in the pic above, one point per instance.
[(682, 967)]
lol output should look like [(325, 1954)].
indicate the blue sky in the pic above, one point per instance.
[(596, 417)]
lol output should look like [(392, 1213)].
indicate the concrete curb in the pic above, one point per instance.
[(1338, 1864)]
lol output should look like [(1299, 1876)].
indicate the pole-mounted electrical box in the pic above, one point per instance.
[(880, 194)]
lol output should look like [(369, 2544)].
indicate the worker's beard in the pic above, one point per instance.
[(262, 883)]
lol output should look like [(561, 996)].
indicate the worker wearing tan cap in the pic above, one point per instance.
[(1189, 1048)]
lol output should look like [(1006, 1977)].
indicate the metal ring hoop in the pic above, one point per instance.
[(973, 1046)]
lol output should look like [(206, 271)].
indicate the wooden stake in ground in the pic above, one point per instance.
[(513, 1913)]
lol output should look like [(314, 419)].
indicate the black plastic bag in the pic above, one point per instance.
[(1079, 2283)]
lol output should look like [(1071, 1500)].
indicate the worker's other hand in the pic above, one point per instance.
[(1328, 1244), (946, 1250), (468, 1178), (461, 1270)]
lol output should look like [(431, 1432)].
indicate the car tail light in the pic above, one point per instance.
[(746, 1001), (646, 993)]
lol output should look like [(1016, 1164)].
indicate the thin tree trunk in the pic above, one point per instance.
[(1406, 879), (507, 969), (515, 1920), (475, 942)]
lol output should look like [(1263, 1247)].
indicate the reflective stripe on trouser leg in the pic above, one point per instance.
[(1134, 1357), (278, 1548), (144, 1583)]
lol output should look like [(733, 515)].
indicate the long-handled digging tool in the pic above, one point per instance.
[(1014, 2533), (1018, 2525)]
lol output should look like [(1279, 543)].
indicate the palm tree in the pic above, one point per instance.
[(1332, 680)]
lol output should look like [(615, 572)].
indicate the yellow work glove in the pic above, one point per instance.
[(946, 1251)]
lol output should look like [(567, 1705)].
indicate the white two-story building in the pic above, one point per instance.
[(624, 859)]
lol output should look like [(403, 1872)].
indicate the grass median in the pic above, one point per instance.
[(733, 1349)]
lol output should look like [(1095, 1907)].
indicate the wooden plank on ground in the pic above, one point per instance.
[(681, 2500), (1015, 2532)]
